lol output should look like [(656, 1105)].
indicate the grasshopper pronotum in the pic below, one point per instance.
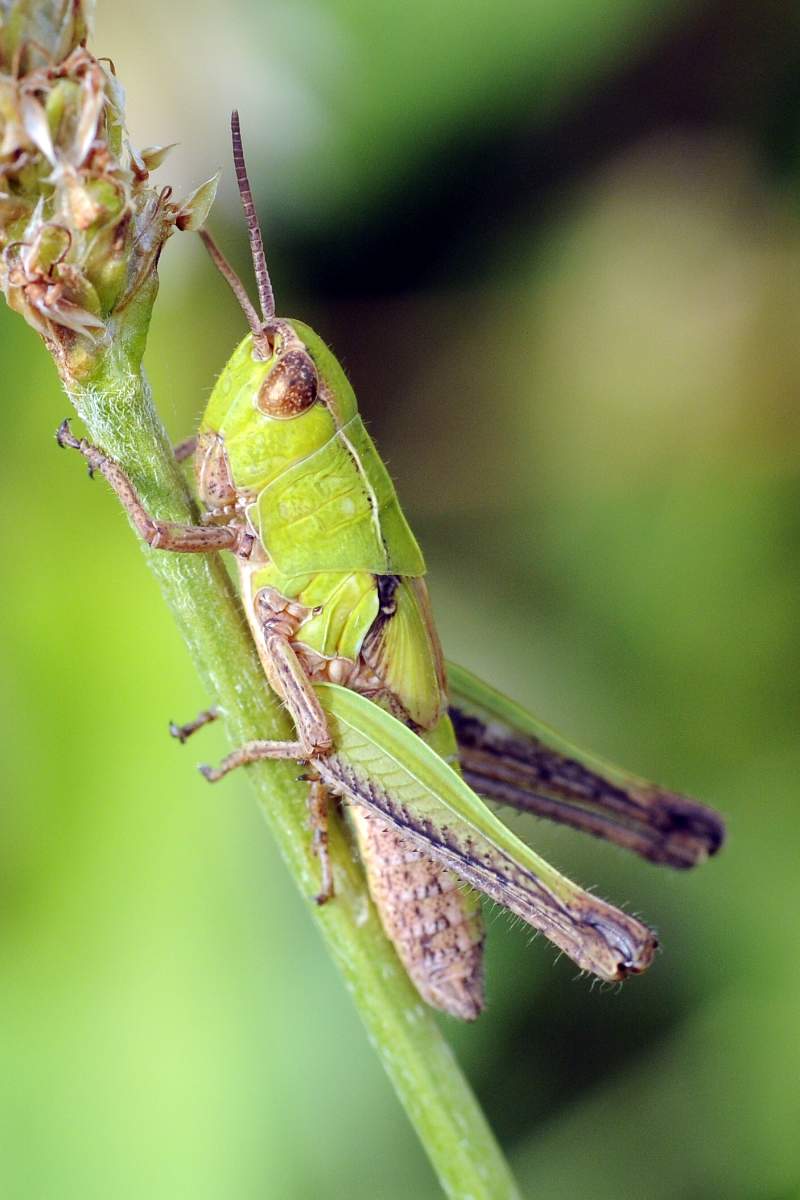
[(332, 583)]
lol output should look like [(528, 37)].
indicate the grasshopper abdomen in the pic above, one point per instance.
[(436, 926)]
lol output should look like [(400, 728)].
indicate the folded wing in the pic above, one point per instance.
[(510, 757)]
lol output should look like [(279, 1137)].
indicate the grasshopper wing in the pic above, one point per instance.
[(510, 757), (382, 765)]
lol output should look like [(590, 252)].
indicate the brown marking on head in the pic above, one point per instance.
[(212, 470), (290, 387)]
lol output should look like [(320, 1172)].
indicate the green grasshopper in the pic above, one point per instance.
[(332, 584)]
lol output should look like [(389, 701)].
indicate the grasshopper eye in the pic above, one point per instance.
[(290, 387)]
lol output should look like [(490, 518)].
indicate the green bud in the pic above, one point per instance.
[(153, 156), (49, 247), (194, 210)]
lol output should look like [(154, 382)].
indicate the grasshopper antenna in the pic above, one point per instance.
[(234, 282), (265, 294)]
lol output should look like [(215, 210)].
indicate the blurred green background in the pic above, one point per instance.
[(557, 247)]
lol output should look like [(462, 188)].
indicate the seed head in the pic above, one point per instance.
[(81, 223)]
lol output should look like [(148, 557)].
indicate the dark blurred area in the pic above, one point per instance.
[(557, 248)]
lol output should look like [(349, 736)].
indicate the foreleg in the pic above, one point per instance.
[(161, 535)]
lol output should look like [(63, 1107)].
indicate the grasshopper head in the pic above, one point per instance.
[(264, 413), (280, 396)]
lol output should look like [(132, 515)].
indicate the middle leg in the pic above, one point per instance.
[(276, 621), (184, 732), (255, 751)]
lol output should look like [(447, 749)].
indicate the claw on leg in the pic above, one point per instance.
[(318, 820), (252, 752), (184, 732)]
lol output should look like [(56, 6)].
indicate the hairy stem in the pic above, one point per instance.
[(115, 404)]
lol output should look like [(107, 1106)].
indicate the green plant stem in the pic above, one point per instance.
[(117, 410)]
